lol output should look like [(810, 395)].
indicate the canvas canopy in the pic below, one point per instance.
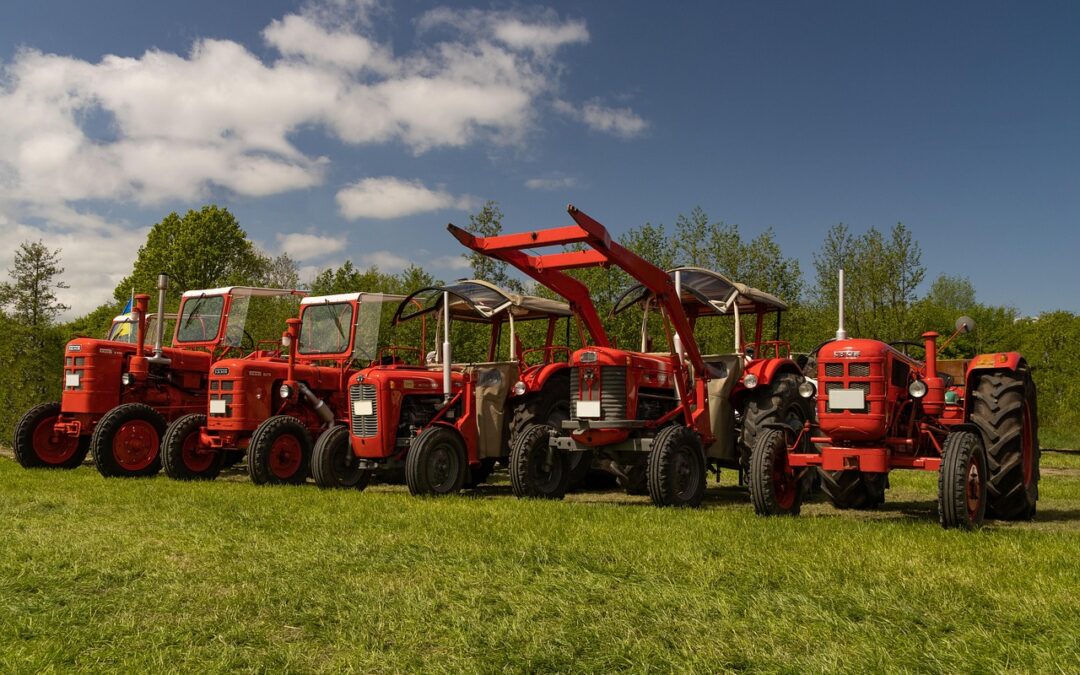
[(479, 301), (706, 292)]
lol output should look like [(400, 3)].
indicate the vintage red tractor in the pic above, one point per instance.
[(658, 420), (447, 423), (118, 397), (273, 407), (972, 421)]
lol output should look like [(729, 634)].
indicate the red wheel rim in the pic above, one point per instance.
[(196, 458), (783, 479), (50, 446), (973, 489), (1027, 451), (285, 456), (135, 445)]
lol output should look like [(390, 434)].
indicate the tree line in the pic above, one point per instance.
[(884, 273)]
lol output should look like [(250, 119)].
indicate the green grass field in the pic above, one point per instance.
[(152, 574)]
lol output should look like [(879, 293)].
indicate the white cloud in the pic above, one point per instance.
[(386, 261), (304, 246), (387, 197), (622, 122), (540, 31), (557, 183), (455, 263)]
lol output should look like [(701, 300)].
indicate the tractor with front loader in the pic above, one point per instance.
[(119, 396), (447, 423), (973, 421), (274, 407), (657, 419)]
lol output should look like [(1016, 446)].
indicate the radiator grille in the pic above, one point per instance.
[(612, 392), (363, 426), (859, 369), (834, 370)]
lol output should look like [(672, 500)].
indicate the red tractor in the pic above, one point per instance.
[(657, 420), (273, 407), (446, 424), (118, 398), (973, 421)]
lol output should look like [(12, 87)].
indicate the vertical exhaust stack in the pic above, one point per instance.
[(159, 330), (446, 357), (841, 334)]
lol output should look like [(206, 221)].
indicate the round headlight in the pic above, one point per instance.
[(128, 379), (519, 388), (750, 381), (917, 389), (285, 391), (807, 389)]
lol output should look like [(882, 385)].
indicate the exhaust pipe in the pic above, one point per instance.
[(159, 330), (321, 409), (841, 334), (446, 357)]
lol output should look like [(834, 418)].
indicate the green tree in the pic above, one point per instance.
[(30, 296), (487, 222), (203, 249)]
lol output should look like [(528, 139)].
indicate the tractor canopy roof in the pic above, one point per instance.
[(706, 292), (244, 291), (349, 297), (479, 301)]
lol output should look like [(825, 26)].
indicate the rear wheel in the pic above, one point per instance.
[(279, 452), (778, 402), (775, 488), (853, 489), (436, 463), (333, 463), (676, 469), (127, 441), (550, 405), (962, 493), (183, 455), (536, 469), (1005, 412), (37, 444)]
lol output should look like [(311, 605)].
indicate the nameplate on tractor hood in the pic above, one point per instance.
[(74, 348), (221, 371), (846, 353)]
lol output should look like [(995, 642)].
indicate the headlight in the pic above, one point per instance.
[(128, 379), (519, 388), (917, 389), (807, 389), (750, 381), (286, 341), (285, 391)]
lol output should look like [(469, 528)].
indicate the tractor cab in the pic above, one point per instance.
[(448, 420), (125, 327)]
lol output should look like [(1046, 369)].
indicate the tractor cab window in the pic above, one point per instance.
[(374, 327), (326, 328), (200, 319)]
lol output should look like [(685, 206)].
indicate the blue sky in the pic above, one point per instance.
[(345, 129)]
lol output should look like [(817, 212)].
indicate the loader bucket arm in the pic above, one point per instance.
[(602, 251), (544, 269)]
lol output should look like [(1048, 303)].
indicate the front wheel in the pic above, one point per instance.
[(962, 481), (775, 488), (333, 463), (536, 469), (436, 463), (279, 452), (183, 455), (127, 441), (37, 444), (676, 470)]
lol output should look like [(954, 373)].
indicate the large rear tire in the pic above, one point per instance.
[(536, 470), (436, 463), (38, 445), (127, 441), (1006, 414), (779, 402), (962, 493), (550, 405), (676, 470), (333, 463), (775, 488), (279, 452), (853, 489), (182, 454)]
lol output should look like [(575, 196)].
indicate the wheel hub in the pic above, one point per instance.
[(50, 446), (135, 445)]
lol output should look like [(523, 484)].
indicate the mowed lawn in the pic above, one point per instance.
[(138, 575)]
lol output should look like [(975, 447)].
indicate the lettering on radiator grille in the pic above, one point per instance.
[(363, 426)]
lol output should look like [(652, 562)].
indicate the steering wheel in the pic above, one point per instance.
[(247, 336)]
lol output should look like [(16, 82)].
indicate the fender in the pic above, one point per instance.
[(768, 369), (536, 378)]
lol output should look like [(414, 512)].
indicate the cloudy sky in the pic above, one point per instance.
[(358, 128)]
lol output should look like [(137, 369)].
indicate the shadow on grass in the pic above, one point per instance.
[(1057, 515)]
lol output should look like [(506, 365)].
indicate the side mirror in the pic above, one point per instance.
[(965, 324)]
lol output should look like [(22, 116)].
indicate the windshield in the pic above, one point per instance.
[(373, 328), (126, 329), (325, 328), (200, 319)]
